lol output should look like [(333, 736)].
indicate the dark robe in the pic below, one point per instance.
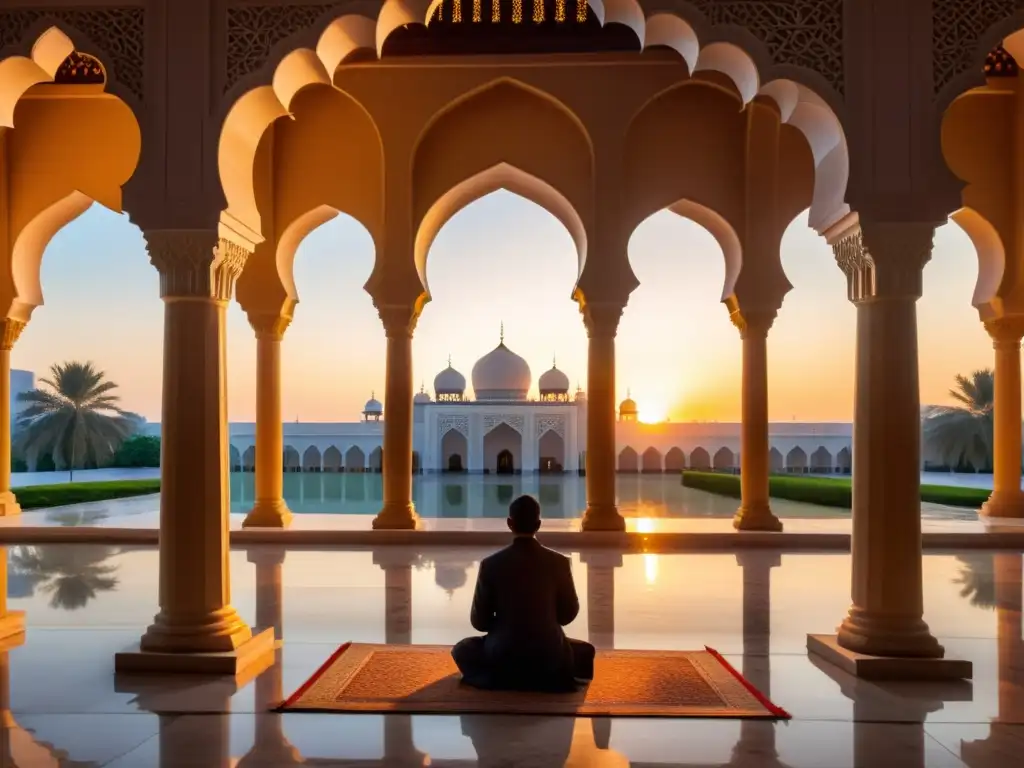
[(524, 596)]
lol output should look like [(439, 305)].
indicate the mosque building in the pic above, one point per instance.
[(501, 429)]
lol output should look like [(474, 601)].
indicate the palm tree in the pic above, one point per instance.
[(963, 433), (77, 419), (978, 579), (71, 575)]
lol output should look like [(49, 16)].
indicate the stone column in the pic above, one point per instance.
[(602, 322), (270, 509), (9, 334), (196, 618), (1006, 499), (755, 512), (883, 265), (398, 511)]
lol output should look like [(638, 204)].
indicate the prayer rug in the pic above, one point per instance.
[(423, 679)]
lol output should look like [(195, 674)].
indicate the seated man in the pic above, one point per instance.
[(524, 596)]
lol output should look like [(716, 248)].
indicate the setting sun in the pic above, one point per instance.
[(652, 412)]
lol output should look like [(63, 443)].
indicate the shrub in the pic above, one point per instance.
[(138, 451), (826, 491), (36, 496)]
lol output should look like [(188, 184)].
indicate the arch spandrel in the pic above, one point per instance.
[(687, 143)]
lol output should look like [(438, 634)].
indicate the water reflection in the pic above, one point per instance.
[(70, 575), (488, 496), (977, 579)]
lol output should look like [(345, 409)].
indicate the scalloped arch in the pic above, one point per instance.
[(991, 260), (253, 112), (725, 235)]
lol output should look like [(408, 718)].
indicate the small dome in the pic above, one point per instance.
[(501, 374), (580, 394), (553, 382), (450, 577), (373, 405), (628, 406), (449, 382), (421, 396)]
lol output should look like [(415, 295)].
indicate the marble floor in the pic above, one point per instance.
[(63, 705)]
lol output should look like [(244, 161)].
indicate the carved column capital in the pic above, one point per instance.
[(883, 260), (270, 325), (399, 319), (755, 323), (601, 319), (1006, 331), (195, 263), (9, 333)]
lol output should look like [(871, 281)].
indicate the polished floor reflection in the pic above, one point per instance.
[(62, 705)]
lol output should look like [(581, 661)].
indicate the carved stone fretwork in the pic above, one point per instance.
[(270, 325), (446, 424), (601, 319), (754, 322), (195, 263), (884, 261), (10, 330), (957, 26), (254, 30), (516, 422), (118, 31), (555, 424), (805, 33), (399, 319)]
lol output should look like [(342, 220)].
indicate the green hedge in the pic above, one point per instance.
[(36, 496), (826, 491)]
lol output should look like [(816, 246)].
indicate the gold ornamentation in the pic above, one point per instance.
[(538, 11), (581, 11), (806, 33), (10, 332), (517, 11), (399, 319), (601, 320), (559, 11), (957, 26), (999, 63), (884, 260), (118, 31), (80, 69), (195, 263)]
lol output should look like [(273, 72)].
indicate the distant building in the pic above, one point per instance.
[(21, 381)]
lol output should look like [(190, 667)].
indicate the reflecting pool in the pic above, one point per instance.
[(562, 496)]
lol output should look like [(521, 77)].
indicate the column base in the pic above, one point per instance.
[(256, 652), (869, 667), (9, 505), (268, 513), (396, 517), (221, 631), (874, 635), (1004, 504), (603, 518), (756, 517)]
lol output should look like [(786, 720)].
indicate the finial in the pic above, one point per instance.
[(373, 395), (501, 340), (554, 361), (422, 390), (629, 393), (449, 360)]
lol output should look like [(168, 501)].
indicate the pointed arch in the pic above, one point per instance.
[(292, 462), (675, 460), (628, 460), (312, 461), (234, 458), (843, 463), (700, 459), (724, 459), (796, 460), (355, 459), (249, 459), (821, 460), (776, 461), (332, 459), (651, 461)]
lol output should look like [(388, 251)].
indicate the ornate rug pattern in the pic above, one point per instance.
[(423, 679)]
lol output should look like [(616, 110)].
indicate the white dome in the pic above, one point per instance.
[(553, 382), (501, 374), (373, 405), (449, 382), (421, 397)]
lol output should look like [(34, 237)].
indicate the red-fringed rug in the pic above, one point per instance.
[(420, 679)]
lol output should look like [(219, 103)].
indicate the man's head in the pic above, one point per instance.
[(524, 516)]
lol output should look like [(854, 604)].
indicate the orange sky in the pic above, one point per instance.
[(503, 259)]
